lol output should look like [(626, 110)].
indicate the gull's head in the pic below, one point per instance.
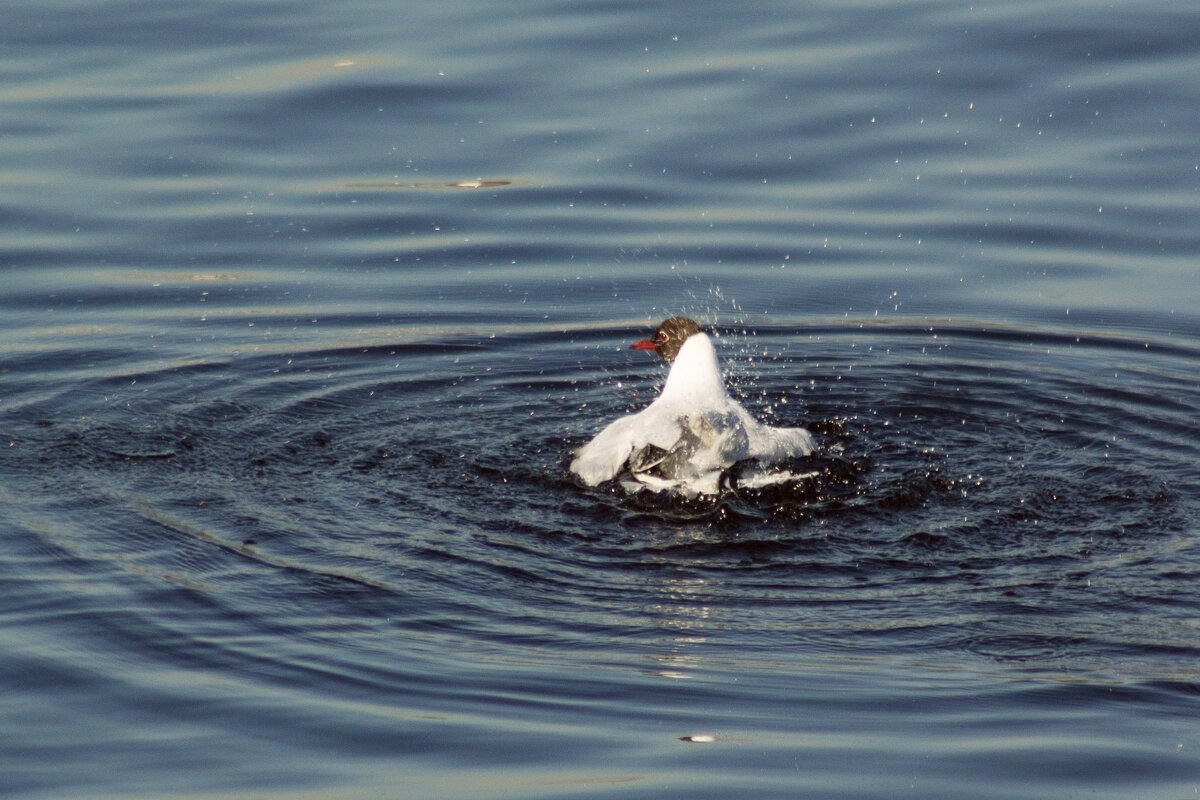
[(669, 337)]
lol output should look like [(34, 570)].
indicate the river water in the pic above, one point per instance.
[(304, 307)]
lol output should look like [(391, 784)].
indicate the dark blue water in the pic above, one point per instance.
[(305, 305)]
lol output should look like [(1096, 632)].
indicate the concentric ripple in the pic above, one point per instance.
[(1005, 495)]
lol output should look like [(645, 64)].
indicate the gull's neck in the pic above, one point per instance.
[(695, 374)]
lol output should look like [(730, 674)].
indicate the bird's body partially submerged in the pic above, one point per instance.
[(692, 432)]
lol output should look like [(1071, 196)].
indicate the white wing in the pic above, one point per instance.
[(604, 456)]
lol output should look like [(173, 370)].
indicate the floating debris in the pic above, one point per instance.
[(475, 184), (478, 184)]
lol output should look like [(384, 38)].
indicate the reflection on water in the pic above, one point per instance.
[(682, 616)]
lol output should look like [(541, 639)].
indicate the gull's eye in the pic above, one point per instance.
[(661, 336)]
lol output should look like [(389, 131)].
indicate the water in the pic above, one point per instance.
[(305, 306)]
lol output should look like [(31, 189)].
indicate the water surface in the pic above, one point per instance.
[(304, 308)]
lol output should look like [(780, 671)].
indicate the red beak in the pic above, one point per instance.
[(643, 344)]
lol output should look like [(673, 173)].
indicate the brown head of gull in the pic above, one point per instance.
[(669, 337)]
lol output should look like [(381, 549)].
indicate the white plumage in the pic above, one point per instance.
[(690, 434)]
